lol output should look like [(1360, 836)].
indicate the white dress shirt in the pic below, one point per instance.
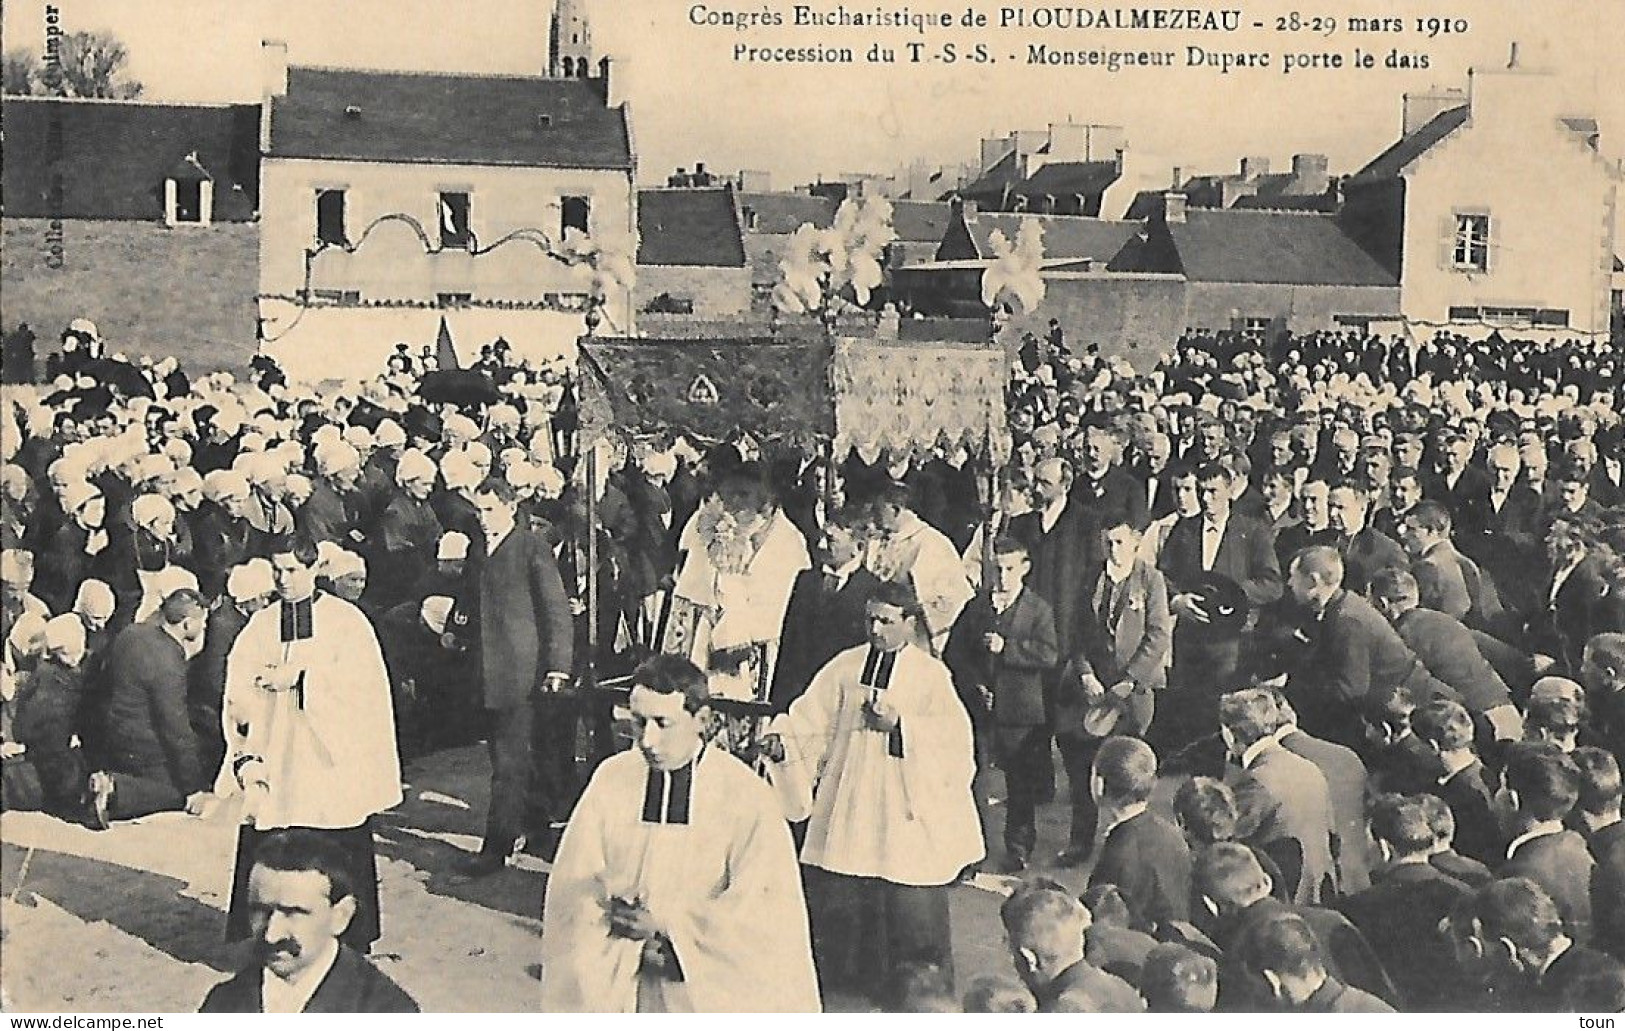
[(279, 996), (1212, 536)]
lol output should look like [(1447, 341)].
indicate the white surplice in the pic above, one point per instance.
[(909, 819), (330, 752), (723, 886)]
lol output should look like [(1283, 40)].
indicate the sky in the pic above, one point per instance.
[(691, 102)]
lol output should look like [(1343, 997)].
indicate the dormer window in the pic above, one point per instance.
[(352, 111), (188, 194)]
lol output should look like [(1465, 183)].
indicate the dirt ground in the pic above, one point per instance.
[(132, 919)]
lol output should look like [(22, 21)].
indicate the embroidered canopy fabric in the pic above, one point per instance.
[(713, 389), (864, 395), (922, 397)]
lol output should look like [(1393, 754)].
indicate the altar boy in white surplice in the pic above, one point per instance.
[(676, 887), (310, 731), (883, 744)]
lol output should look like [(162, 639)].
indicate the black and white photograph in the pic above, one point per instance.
[(845, 506)]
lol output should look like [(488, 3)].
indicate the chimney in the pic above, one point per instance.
[(1178, 178), (1253, 167), (1309, 173), (274, 69), (1512, 58), (612, 87), (1117, 159), (993, 151), (1422, 108), (1068, 142), (1173, 207), (274, 62)]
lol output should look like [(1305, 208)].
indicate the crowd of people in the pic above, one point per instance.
[(1327, 633)]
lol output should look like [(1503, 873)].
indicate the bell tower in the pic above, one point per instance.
[(570, 45)]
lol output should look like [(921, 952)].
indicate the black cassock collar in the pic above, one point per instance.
[(669, 797), (297, 620), (878, 667)]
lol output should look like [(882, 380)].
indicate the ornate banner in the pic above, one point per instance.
[(712, 389), (919, 397)]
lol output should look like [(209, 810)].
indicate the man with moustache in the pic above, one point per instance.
[(300, 901)]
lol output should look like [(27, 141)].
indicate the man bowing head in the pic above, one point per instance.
[(675, 887)]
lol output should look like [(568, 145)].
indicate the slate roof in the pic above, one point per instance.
[(779, 214), (1065, 236), (1056, 179), (116, 154), (1392, 161), (921, 221), (1324, 202), (436, 118), (1235, 245), (689, 227)]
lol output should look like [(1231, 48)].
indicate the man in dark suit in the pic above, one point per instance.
[(521, 619), (300, 899), (1111, 680), (1562, 618), (1286, 955), (1061, 534), (826, 613), (1045, 927), (1462, 782), (1539, 785), (1365, 550), (1541, 955), (1455, 483), (1231, 877), (1400, 912), (1504, 536), (1141, 853), (1599, 813), (152, 761), (1448, 650), (1312, 526), (1357, 660), (1207, 646), (1002, 650)]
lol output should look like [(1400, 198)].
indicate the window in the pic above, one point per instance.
[(330, 217), (1506, 315), (189, 201), (1256, 324), (1472, 245), (575, 213), (453, 300), (336, 296), (454, 224)]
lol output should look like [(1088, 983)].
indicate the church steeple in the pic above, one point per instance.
[(570, 45)]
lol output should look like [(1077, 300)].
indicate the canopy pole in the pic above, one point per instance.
[(991, 510), (590, 670)]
